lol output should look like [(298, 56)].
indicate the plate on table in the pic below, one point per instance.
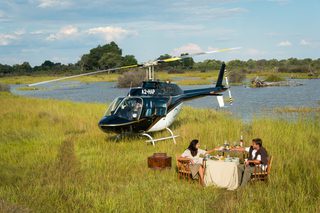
[(228, 160), (216, 157), (235, 160)]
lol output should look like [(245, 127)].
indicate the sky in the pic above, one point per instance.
[(64, 30)]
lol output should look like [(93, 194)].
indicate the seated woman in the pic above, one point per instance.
[(193, 153)]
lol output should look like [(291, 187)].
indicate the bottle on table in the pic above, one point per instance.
[(241, 141)]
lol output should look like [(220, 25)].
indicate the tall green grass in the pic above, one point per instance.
[(55, 159)]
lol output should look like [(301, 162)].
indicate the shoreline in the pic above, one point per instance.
[(187, 78)]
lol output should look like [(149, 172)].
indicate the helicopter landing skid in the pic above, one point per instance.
[(152, 140)]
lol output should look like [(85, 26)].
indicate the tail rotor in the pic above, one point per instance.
[(227, 84)]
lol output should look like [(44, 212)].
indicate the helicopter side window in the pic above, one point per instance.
[(130, 108), (147, 111), (160, 108), (154, 106), (113, 106)]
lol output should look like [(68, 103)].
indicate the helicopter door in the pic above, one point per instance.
[(113, 106)]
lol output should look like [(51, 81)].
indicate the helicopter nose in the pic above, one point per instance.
[(111, 123)]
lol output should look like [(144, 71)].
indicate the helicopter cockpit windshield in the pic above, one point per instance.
[(130, 108), (113, 106)]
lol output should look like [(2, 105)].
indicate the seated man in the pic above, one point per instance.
[(257, 156)]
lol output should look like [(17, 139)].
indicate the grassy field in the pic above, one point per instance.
[(183, 78), (55, 159)]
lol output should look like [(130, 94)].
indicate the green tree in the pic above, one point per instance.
[(105, 57), (22, 68), (109, 60), (187, 63), (5, 69), (129, 60), (86, 62), (47, 63)]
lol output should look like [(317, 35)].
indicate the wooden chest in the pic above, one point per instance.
[(159, 161)]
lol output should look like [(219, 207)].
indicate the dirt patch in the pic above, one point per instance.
[(8, 207)]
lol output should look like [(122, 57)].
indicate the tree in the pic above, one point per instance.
[(129, 60), (169, 66), (187, 63), (5, 69), (109, 60), (105, 57), (22, 68), (86, 62), (47, 63)]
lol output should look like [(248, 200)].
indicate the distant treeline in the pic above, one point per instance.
[(110, 56)]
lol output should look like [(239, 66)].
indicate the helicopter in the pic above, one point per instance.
[(155, 105)]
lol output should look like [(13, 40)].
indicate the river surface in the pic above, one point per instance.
[(248, 102)]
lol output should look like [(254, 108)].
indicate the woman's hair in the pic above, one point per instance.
[(192, 147)]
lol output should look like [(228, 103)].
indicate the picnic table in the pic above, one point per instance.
[(222, 174)]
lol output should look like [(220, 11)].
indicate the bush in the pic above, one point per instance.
[(274, 78), (4, 87), (131, 79), (237, 76), (294, 69), (176, 71)]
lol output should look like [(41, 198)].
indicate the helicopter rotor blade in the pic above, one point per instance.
[(147, 64), (177, 58), (85, 74), (210, 52)]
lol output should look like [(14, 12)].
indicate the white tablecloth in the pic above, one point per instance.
[(221, 174)]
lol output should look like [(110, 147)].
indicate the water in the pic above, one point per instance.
[(248, 102)]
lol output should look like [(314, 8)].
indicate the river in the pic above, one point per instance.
[(248, 102)]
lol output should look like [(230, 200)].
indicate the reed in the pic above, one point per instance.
[(4, 87), (297, 109), (55, 159)]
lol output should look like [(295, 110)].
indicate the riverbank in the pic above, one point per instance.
[(187, 78), (53, 156)]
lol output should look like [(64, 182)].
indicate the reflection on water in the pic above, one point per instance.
[(248, 102)]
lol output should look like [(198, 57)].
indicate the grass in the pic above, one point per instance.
[(4, 87), (305, 110), (194, 82), (55, 159), (274, 78), (183, 79), (27, 88), (280, 74), (28, 79)]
